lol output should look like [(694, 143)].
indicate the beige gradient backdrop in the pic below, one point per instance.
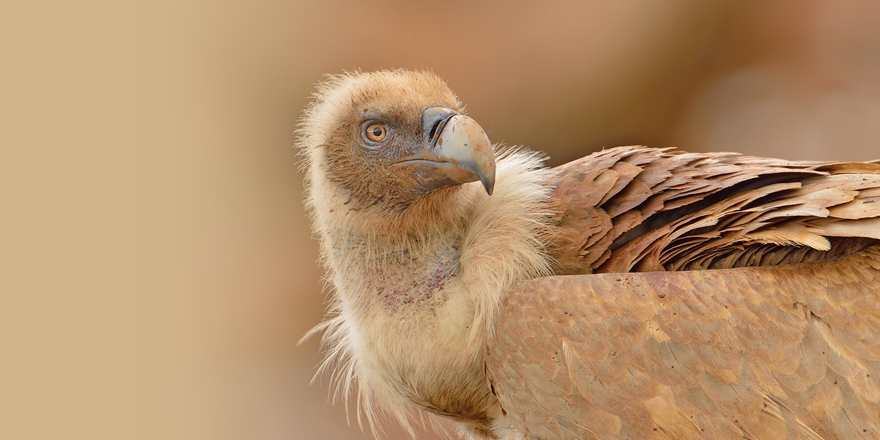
[(158, 268)]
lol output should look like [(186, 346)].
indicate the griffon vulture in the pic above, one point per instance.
[(636, 293)]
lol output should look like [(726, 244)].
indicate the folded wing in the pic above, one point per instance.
[(782, 341)]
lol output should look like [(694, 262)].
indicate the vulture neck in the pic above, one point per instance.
[(416, 291), (399, 263), (410, 312)]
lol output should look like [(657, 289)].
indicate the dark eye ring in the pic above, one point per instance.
[(376, 132)]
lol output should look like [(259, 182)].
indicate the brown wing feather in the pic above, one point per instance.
[(763, 352), (645, 209)]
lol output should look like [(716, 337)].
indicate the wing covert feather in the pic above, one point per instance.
[(639, 209), (762, 352)]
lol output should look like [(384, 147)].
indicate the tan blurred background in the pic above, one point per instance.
[(158, 268)]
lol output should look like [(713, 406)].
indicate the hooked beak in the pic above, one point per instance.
[(457, 151)]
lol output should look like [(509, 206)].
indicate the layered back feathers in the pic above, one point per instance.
[(646, 209)]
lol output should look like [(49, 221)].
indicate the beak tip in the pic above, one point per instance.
[(487, 179), (490, 187)]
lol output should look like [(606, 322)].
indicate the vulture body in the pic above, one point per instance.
[(634, 293)]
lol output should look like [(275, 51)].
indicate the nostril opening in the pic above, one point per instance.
[(434, 130), (434, 119)]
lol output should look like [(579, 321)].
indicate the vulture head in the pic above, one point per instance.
[(389, 139)]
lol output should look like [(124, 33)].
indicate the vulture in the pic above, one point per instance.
[(635, 293)]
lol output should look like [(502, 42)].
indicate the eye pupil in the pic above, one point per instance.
[(377, 131)]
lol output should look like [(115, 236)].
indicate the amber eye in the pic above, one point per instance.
[(375, 132)]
